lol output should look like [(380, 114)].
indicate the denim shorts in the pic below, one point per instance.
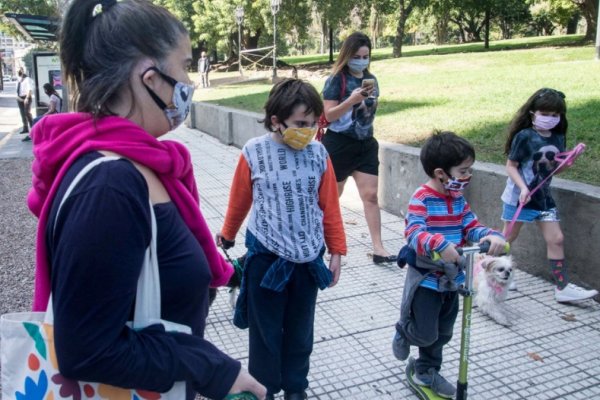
[(529, 215)]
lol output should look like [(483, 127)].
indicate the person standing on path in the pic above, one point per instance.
[(350, 101), (204, 69), (24, 97)]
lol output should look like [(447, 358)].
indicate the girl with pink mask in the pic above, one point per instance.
[(536, 135)]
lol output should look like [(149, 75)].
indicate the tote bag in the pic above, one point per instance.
[(29, 365)]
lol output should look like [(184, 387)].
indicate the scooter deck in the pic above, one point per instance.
[(423, 392)]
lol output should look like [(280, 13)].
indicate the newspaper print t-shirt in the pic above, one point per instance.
[(535, 155), (358, 121), (286, 217)]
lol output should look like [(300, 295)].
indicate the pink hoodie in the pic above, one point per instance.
[(61, 139)]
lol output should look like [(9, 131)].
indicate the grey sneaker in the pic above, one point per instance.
[(436, 382), (400, 347)]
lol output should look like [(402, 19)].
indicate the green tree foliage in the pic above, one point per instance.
[(403, 10), (33, 7), (184, 10), (510, 15), (546, 15), (215, 22)]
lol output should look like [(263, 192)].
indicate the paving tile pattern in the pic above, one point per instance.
[(543, 356)]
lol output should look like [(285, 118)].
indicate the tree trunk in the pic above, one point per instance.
[(330, 45), (462, 30), (403, 12), (374, 25), (441, 28), (589, 9), (251, 41), (572, 25), (232, 46), (324, 32), (486, 24)]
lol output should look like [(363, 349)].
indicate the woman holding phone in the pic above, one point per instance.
[(350, 101)]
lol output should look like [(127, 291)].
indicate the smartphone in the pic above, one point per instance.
[(368, 84)]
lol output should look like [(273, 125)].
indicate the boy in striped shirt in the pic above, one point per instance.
[(438, 220)]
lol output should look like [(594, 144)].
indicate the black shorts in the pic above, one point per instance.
[(349, 155)]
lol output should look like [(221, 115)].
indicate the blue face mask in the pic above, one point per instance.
[(358, 65)]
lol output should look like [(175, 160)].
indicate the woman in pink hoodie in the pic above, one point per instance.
[(129, 89)]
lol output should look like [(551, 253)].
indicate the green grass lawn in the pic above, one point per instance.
[(472, 93)]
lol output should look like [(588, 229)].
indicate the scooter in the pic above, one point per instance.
[(241, 396), (466, 290)]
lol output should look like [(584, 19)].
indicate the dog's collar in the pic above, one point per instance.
[(496, 286)]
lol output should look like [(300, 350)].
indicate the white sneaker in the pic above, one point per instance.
[(573, 293)]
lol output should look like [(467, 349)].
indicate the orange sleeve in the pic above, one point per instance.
[(240, 200), (335, 237)]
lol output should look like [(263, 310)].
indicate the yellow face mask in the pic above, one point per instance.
[(298, 138)]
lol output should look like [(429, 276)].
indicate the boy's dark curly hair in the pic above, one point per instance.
[(286, 95), (445, 149)]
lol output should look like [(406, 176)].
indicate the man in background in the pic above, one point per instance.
[(203, 69), (24, 97)]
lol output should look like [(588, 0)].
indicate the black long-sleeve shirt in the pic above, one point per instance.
[(96, 252)]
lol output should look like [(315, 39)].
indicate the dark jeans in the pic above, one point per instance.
[(430, 325), (26, 116), (281, 327)]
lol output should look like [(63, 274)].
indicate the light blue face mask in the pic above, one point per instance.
[(358, 65)]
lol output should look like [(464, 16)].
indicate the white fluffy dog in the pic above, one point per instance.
[(492, 276)]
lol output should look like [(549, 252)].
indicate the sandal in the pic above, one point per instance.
[(377, 259)]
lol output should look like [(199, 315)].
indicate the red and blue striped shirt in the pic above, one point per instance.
[(435, 220)]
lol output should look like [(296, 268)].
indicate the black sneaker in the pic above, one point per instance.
[(295, 396), (26, 139)]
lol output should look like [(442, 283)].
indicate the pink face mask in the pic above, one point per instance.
[(545, 122), (457, 184)]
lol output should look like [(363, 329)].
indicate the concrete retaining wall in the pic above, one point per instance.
[(401, 173)]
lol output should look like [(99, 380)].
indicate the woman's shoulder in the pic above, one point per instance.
[(119, 175), (252, 142)]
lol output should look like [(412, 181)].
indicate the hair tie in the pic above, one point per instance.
[(103, 6)]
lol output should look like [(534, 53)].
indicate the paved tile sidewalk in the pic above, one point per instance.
[(550, 353)]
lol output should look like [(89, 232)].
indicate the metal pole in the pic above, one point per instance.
[(274, 47), (465, 337), (239, 17), (598, 35), (240, 49)]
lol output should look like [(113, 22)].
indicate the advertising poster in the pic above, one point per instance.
[(46, 70)]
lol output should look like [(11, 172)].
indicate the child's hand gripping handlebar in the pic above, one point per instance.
[(483, 247), (466, 263)]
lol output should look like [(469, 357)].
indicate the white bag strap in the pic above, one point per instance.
[(147, 303)]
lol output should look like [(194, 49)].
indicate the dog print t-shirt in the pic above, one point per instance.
[(536, 157), (358, 121)]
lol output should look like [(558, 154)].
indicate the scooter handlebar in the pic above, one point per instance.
[(477, 248)]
